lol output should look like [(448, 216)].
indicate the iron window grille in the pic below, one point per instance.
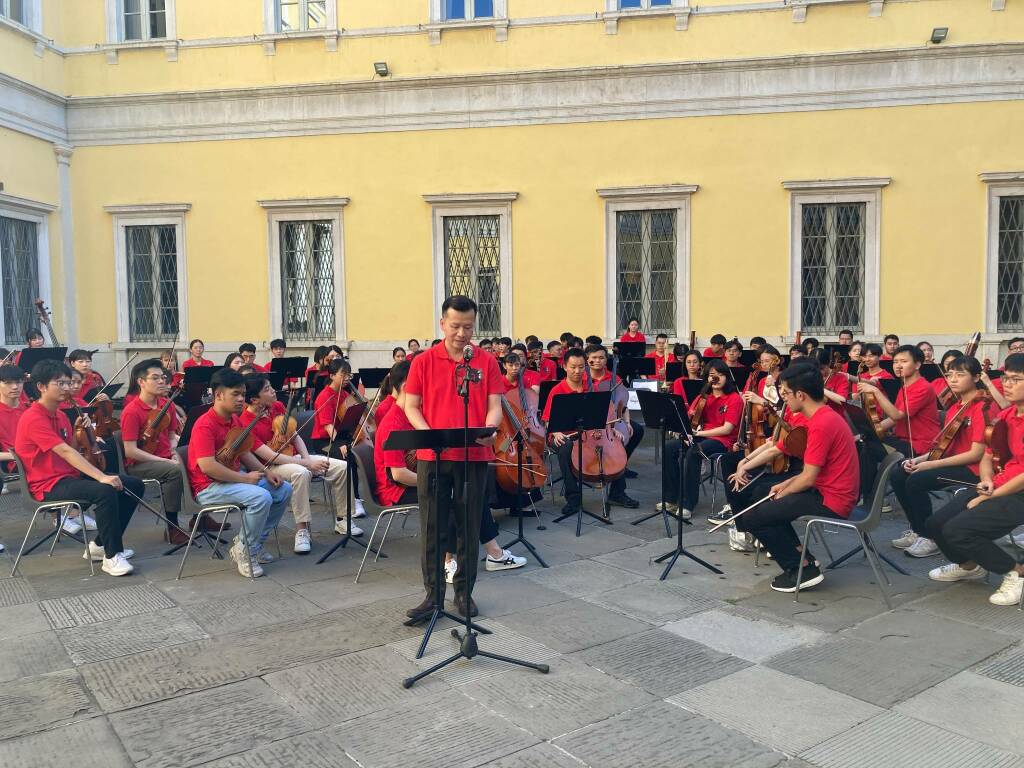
[(472, 266), (144, 19), (307, 280), (645, 248), (19, 274), (152, 255), (301, 15), (1010, 274), (832, 267)]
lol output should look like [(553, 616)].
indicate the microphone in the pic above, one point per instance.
[(467, 353)]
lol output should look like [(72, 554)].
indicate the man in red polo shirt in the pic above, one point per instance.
[(632, 432), (12, 384), (513, 366), (573, 383), (546, 367), (827, 486), (56, 471), (433, 402), (661, 356)]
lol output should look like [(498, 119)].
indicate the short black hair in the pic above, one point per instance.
[(661, 336), (512, 356), (320, 353), (225, 378), (965, 363), (534, 345), (734, 344), (591, 349), (891, 336), (633, 320), (46, 371), (396, 350), (871, 348), (553, 344), (1013, 364), (718, 338), (530, 339), (139, 369), (846, 332), (575, 352), (806, 379), (950, 354), (566, 337), (811, 342), (797, 348), (1014, 340), (821, 357), (195, 341), (278, 344), (758, 340), (399, 373), (459, 304), (231, 358), (338, 364), (79, 354), (435, 342), (413, 341), (254, 384), (246, 347), (487, 342), (521, 347), (592, 339), (505, 340), (32, 333), (915, 352), (11, 373)]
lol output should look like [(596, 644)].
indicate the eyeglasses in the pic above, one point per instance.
[(1017, 347), (156, 377), (1012, 380), (785, 393), (63, 383)]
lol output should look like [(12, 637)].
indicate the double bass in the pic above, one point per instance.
[(519, 423), (44, 318)]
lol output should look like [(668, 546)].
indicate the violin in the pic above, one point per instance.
[(869, 403), (85, 441), (106, 424), (237, 441), (157, 422), (285, 426), (696, 410), (517, 425), (44, 318), (348, 398), (603, 453), (997, 438), (946, 396), (949, 432)]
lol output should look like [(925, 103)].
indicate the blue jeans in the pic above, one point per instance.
[(261, 504)]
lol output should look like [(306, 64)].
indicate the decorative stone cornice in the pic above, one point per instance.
[(654, 192), (1002, 177), (149, 209), (471, 198), (305, 204), (838, 185), (63, 153), (24, 205)]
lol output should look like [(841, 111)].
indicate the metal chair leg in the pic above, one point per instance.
[(24, 542), (876, 568), (800, 568), (369, 544), (277, 542), (245, 542), (188, 547), (384, 536)]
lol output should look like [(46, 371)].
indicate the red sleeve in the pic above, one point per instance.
[(734, 410), (201, 444), (38, 431), (492, 376), (978, 423), (393, 457), (132, 424), (414, 381), (324, 415)]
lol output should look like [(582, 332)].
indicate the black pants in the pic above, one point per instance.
[(755, 489), (112, 509), (452, 509), (870, 455), (969, 535), (772, 525), (913, 488), (571, 484), (691, 462)]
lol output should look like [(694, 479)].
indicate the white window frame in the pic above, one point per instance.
[(33, 17), (312, 209), (1000, 185), (649, 198), (115, 23), (831, 191), (37, 213), (476, 204), (437, 13), (645, 5), (160, 214), (271, 20)]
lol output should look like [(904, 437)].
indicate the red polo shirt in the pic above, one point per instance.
[(634, 338), (38, 433), (133, 424), (917, 400), (660, 361), (263, 431), (721, 409), (388, 491), (432, 378), (709, 352), (92, 380), (530, 379), (9, 418), (203, 363), (327, 415), (972, 431), (831, 448), (561, 388), (1015, 437), (548, 369), (208, 436), (839, 384), (382, 409)]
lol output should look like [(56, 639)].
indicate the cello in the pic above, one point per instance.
[(517, 428), (44, 318), (603, 454)]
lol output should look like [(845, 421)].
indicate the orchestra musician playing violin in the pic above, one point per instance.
[(967, 528), (54, 470), (546, 367), (632, 431), (81, 360), (217, 451), (327, 437), (280, 444), (955, 453)]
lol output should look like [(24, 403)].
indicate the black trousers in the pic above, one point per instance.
[(571, 484), (870, 455), (772, 525), (969, 535), (692, 460), (112, 509), (755, 489), (451, 511), (913, 488)]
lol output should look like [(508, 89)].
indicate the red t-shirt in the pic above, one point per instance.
[(561, 388), (660, 361), (92, 380), (794, 420), (917, 401), (709, 352), (882, 374), (9, 418), (938, 386), (548, 369), (38, 433), (133, 424), (208, 436), (382, 409), (677, 389), (721, 409), (388, 491), (972, 431), (432, 378), (203, 363), (263, 431), (839, 384), (327, 415), (530, 379), (1015, 438), (831, 448), (628, 337)]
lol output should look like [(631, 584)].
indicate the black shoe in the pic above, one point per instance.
[(422, 611), (624, 501), (630, 474), (720, 516), (571, 509), (460, 606), (786, 582)]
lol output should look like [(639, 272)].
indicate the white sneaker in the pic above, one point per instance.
[(953, 572), (726, 508), (358, 511), (1009, 591), (905, 541), (341, 526), (246, 567), (886, 509), (90, 523), (1, 547), (506, 562), (686, 514), (263, 557), (667, 507), (451, 567), (302, 541), (96, 552), (117, 565), (71, 525), (923, 547)]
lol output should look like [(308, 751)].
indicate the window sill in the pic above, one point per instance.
[(41, 43), (170, 48), (500, 26), (271, 39), (612, 18)]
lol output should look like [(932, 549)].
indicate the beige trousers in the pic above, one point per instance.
[(300, 478)]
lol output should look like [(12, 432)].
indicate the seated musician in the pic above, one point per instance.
[(796, 352), (855, 351), (722, 409), (632, 332), (837, 386), (299, 468), (160, 463), (248, 353), (810, 344), (914, 479), (234, 361), (262, 495), (941, 384), (693, 366), (846, 337), (733, 352), (487, 345), (546, 367), (757, 342), (73, 405), (869, 370), (913, 418), (717, 348), (397, 355), (196, 348), (326, 437), (890, 344), (927, 350), (554, 353), (967, 528), (12, 385), (81, 360), (319, 366), (396, 483), (33, 340), (502, 347), (631, 431), (827, 486), (661, 356), (54, 470), (170, 363), (413, 345), (513, 363)]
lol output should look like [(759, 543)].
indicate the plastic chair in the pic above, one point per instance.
[(363, 455), (146, 481)]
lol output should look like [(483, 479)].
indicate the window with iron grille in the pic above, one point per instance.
[(1010, 274), (307, 280), (144, 19), (152, 269), (645, 248), (300, 15), (832, 238), (472, 266), (15, 10), (19, 275)]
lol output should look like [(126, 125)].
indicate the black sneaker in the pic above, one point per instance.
[(720, 516), (786, 582), (571, 509), (624, 501), (630, 474)]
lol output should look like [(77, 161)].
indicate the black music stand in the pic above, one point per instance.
[(631, 348), (29, 356), (196, 382), (190, 421), (631, 367), (372, 378), (739, 376), (674, 370), (577, 413), (659, 414), (517, 505), (749, 357), (679, 422), (345, 430), (291, 367), (931, 372)]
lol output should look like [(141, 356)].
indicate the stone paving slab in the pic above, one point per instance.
[(640, 559), (1006, 667), (799, 716), (15, 591), (20, 620), (661, 662), (341, 592), (663, 736), (571, 696), (310, 750), (880, 674), (544, 755), (50, 584), (573, 625), (134, 634), (974, 706), (32, 655), (497, 597), (968, 603), (224, 615), (85, 744), (31, 704), (655, 602), (460, 734), (118, 603), (332, 691), (582, 577), (594, 540), (744, 634), (892, 739), (197, 588)]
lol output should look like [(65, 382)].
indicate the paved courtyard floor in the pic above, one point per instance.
[(304, 667)]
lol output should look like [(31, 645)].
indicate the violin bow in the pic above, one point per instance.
[(113, 378), (741, 513)]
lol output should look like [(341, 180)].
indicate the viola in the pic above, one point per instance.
[(106, 423), (157, 423), (348, 398), (85, 441), (997, 438), (949, 432), (869, 403), (516, 426), (285, 426), (696, 409), (237, 441)]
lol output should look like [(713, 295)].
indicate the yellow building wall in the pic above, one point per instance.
[(199, 19), (933, 216), (18, 60)]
